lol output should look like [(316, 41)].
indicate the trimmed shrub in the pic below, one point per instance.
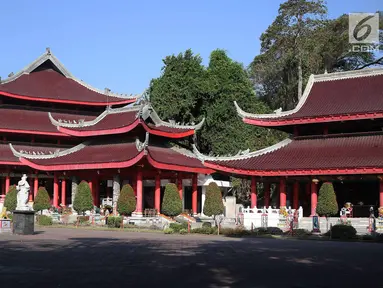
[(183, 231), (10, 201), (42, 200), (327, 205), (114, 222), (171, 203), (126, 203), (168, 231), (205, 230), (177, 227), (299, 233), (269, 231), (83, 200), (234, 232), (44, 220), (213, 203), (83, 219), (206, 224), (343, 232)]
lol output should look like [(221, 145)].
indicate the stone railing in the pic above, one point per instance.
[(261, 217)]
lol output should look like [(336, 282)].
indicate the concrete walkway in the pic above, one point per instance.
[(61, 257)]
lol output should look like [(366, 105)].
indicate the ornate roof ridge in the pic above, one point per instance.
[(42, 155), (48, 55), (82, 123), (159, 122), (240, 156), (313, 79), (184, 151)]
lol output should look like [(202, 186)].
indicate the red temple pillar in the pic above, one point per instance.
[(267, 194), (35, 186), (134, 185), (282, 192), (139, 192), (296, 195), (314, 198), (3, 186), (179, 184), (30, 198), (55, 190), (194, 193), (157, 193), (90, 183), (63, 192), (7, 183), (253, 192), (381, 192)]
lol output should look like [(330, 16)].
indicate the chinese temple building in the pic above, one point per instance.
[(335, 135), (59, 130)]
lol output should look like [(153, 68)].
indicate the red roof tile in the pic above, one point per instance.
[(49, 85), (34, 121), (353, 95), (340, 152)]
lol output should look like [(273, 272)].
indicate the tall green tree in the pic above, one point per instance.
[(187, 91), (171, 203), (126, 202), (213, 206), (301, 41), (327, 205), (83, 200), (10, 201), (42, 200)]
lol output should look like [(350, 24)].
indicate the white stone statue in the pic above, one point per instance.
[(23, 194)]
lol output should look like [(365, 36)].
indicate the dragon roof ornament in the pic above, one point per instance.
[(48, 55), (142, 145), (241, 155), (46, 155)]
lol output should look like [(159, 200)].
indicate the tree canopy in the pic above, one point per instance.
[(213, 204), (83, 200), (42, 200), (126, 202), (171, 203), (187, 91), (10, 201), (327, 204), (301, 41)]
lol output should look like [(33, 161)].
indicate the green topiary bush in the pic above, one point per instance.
[(177, 227), (183, 231), (206, 224), (44, 220), (169, 231), (343, 232), (83, 200), (126, 203), (327, 205), (42, 200), (205, 230), (10, 201), (114, 222), (213, 203), (171, 203), (234, 232)]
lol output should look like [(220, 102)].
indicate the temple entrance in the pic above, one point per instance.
[(361, 193), (148, 197)]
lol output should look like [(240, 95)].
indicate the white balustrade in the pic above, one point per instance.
[(252, 217)]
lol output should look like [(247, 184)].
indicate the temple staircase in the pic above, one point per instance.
[(360, 224)]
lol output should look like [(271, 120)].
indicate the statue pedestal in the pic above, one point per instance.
[(23, 222)]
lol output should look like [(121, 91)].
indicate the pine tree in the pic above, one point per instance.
[(42, 200), (327, 205), (172, 203), (10, 201), (83, 200), (213, 203), (126, 202)]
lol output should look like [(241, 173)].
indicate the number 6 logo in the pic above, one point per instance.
[(363, 28)]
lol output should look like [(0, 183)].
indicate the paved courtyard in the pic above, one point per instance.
[(83, 258)]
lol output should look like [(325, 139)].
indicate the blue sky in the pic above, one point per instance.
[(121, 44)]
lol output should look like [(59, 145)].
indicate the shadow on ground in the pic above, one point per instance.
[(73, 258)]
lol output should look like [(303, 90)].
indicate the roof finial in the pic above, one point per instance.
[(10, 74), (48, 50)]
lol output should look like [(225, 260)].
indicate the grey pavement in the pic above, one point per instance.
[(60, 257)]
